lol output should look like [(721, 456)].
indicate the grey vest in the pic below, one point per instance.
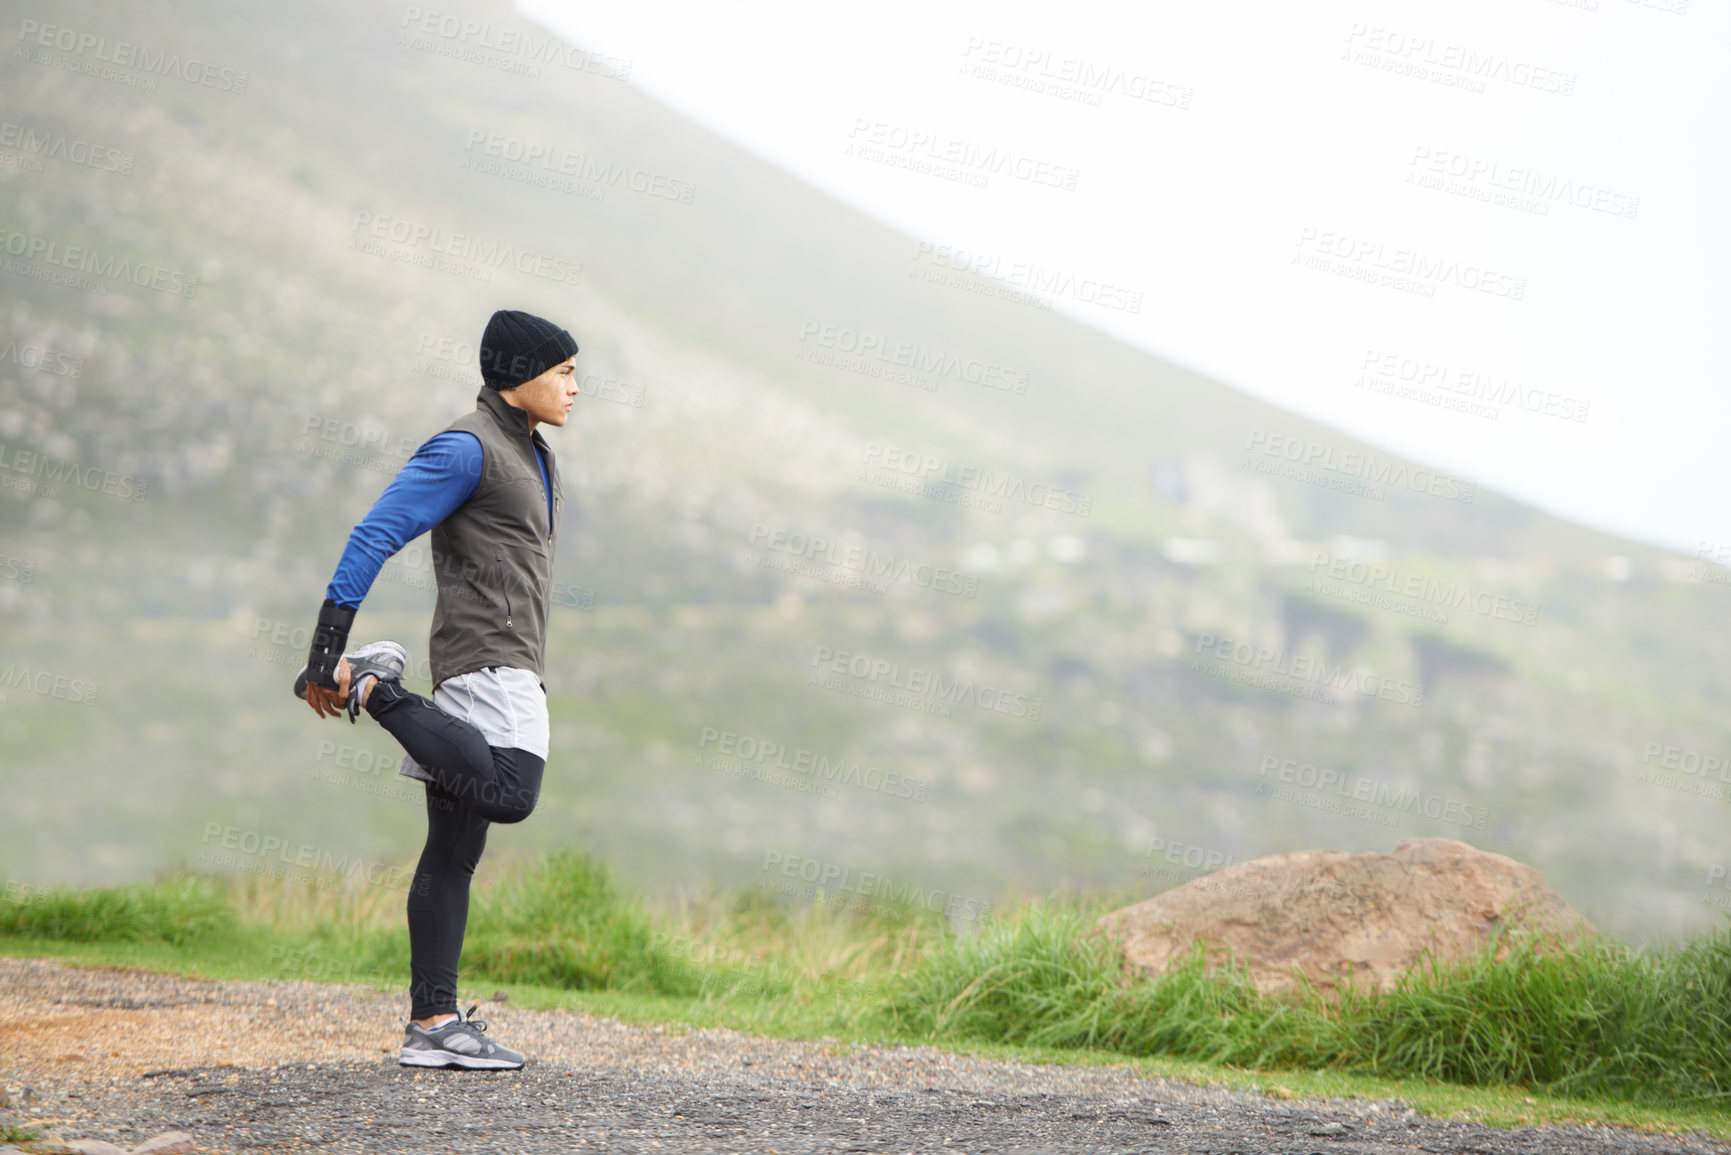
[(493, 557)]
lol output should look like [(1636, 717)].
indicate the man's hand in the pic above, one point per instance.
[(326, 702)]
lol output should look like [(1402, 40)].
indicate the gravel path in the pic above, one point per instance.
[(289, 1066)]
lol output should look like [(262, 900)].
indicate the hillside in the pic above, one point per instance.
[(1172, 626)]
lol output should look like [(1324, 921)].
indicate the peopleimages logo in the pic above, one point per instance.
[(1400, 267), (1714, 553), (1527, 186), (42, 359), (1376, 471), (53, 473), (1717, 874), (1190, 855), (1055, 74), (1680, 768), (19, 893), (520, 43), (353, 436), (760, 754), (430, 242), (920, 149), (55, 146), (1457, 65), (48, 684), (946, 688), (256, 849), (121, 53), (1384, 371), (580, 167), (1254, 665), (914, 358), (1357, 788), (829, 877), (1371, 578), (100, 267), (872, 566), (1019, 275), (928, 468)]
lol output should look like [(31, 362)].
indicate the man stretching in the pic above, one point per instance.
[(488, 488)]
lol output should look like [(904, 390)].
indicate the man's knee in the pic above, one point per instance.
[(514, 806), (512, 796)]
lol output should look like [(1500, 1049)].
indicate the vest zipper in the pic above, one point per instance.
[(546, 486), (499, 560)]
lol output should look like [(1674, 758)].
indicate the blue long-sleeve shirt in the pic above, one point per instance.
[(444, 473)]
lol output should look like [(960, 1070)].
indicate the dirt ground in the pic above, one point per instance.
[(291, 1066)]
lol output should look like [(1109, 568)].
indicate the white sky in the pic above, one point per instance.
[(1296, 122)]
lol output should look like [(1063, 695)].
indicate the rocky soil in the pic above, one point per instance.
[(120, 1057)]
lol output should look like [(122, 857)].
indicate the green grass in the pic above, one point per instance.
[(1601, 1022), (556, 922), (14, 1134), (180, 911), (1602, 1034)]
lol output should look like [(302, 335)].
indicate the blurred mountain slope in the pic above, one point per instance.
[(264, 412)]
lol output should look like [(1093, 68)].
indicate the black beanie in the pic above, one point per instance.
[(519, 347)]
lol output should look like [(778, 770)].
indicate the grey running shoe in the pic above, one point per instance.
[(381, 661), (457, 1043)]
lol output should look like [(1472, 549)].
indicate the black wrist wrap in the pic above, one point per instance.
[(330, 638)]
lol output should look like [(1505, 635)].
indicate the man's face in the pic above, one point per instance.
[(549, 397)]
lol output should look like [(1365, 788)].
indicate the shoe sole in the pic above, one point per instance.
[(453, 1059), (395, 649), (365, 651)]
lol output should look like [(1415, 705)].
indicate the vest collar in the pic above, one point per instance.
[(514, 420)]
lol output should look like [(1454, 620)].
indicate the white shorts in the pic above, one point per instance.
[(506, 704)]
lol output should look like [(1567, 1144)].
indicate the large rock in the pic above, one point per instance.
[(1333, 914)]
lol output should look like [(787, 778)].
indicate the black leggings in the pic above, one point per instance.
[(476, 785)]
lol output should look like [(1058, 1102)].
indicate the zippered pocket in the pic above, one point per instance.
[(499, 561)]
